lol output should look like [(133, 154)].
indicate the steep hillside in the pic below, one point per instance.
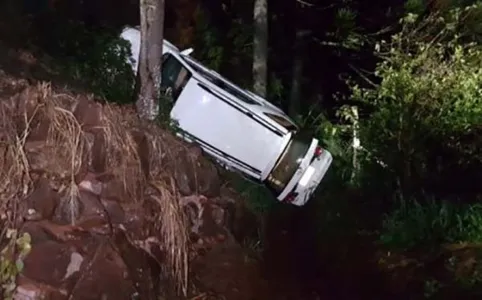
[(96, 204)]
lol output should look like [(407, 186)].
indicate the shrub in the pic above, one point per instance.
[(12, 257), (423, 137), (97, 58), (432, 223), (427, 110)]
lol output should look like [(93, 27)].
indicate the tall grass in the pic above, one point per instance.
[(417, 224)]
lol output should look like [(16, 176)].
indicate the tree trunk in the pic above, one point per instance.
[(297, 74), (150, 58), (260, 47)]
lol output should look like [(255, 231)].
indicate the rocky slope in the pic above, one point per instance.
[(115, 208)]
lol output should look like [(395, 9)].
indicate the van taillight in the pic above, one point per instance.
[(318, 151), (291, 197)]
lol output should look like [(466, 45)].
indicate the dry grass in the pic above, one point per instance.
[(67, 140), (64, 151), (121, 151), (14, 175), (173, 231), (124, 159)]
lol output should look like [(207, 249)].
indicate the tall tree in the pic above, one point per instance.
[(260, 47), (297, 64), (150, 58), (297, 73)]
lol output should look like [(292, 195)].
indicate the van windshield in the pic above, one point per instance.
[(174, 76)]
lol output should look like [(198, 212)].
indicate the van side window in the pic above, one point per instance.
[(222, 83), (282, 121), (174, 76)]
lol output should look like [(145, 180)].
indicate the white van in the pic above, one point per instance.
[(238, 128)]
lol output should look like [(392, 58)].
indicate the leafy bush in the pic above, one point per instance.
[(427, 110), (424, 133), (424, 225), (12, 257), (97, 58), (105, 69)]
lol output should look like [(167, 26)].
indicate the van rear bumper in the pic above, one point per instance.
[(311, 178), (306, 161), (308, 176)]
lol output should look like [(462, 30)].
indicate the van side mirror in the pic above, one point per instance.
[(187, 51)]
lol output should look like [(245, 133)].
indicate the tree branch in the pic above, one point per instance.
[(359, 73)]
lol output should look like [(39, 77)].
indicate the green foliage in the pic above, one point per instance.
[(96, 58), (415, 6), (431, 288), (414, 224), (240, 35), (426, 115), (340, 207), (423, 122), (258, 198), (207, 43), (164, 117), (334, 137), (428, 102), (276, 90), (11, 261), (346, 31)]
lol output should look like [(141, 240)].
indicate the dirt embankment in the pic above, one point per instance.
[(116, 208)]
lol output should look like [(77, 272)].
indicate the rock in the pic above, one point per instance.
[(83, 267), (91, 184), (28, 289), (208, 181), (207, 221), (91, 204), (28, 100), (99, 153), (37, 233), (44, 158), (142, 143), (184, 182), (115, 188), (36, 157), (115, 210), (195, 175), (107, 277), (48, 262), (142, 268), (39, 129), (135, 220), (46, 230), (85, 161), (96, 233), (90, 116), (43, 200)]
